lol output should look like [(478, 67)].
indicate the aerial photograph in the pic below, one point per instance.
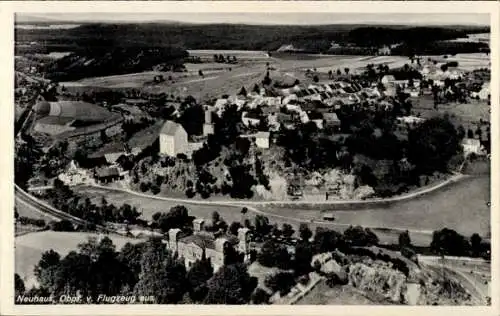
[(250, 158)]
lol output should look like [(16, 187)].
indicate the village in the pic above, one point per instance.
[(266, 112)]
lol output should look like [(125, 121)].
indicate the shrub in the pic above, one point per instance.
[(155, 189), (190, 192), (260, 296), (334, 278), (408, 253), (281, 282), (304, 279), (62, 226), (144, 186), (274, 255), (31, 221)]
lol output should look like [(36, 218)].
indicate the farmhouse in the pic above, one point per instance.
[(193, 247), (331, 120), (173, 139), (109, 174)]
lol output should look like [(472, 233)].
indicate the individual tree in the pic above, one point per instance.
[(231, 284), (346, 70), (326, 240), (281, 282), (470, 133), (305, 232), (273, 254), (130, 257), (198, 275), (303, 257), (404, 239), (243, 92), (46, 269), (432, 144), (260, 296), (177, 217), (215, 218), (267, 79), (192, 119), (449, 242), (316, 78), (233, 228), (275, 231), (231, 255), (162, 275), (357, 236), (19, 287), (262, 226), (287, 230), (256, 88), (475, 241)]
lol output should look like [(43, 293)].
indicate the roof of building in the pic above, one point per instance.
[(201, 239), (262, 135), (207, 240), (170, 128), (331, 117), (107, 172)]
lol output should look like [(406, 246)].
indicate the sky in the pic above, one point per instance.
[(267, 18)]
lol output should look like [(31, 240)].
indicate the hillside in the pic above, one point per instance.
[(233, 36)]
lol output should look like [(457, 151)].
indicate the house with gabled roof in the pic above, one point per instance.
[(173, 139)]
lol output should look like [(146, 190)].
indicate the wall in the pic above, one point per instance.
[(167, 145)]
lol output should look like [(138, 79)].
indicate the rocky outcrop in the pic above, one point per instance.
[(379, 277)]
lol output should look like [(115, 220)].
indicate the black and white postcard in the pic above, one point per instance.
[(286, 157)]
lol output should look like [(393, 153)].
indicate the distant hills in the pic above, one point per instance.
[(101, 49), (237, 36)]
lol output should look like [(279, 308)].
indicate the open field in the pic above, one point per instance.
[(29, 248), (26, 210), (219, 80), (463, 114), (357, 62), (467, 62)]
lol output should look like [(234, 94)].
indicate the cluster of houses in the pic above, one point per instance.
[(74, 175), (287, 107)]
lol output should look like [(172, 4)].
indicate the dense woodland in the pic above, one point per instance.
[(238, 36)]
